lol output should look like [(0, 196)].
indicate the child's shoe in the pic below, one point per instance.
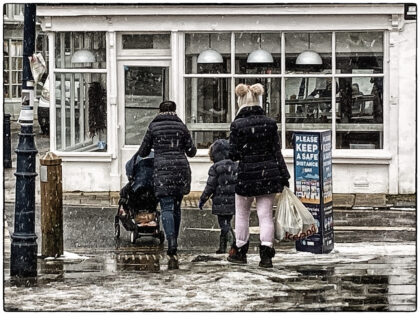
[(222, 244)]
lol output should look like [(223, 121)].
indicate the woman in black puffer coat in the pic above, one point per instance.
[(221, 188), (262, 172), (171, 141)]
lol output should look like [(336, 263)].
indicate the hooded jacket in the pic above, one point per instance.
[(254, 141), (222, 180), (171, 141)]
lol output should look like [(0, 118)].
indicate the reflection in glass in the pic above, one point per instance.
[(81, 112), (271, 100), (204, 139), (67, 43), (145, 89), (195, 43), (296, 43), (146, 41), (360, 113), (246, 43), (207, 102), (359, 52), (308, 105)]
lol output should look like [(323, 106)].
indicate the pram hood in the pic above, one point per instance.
[(140, 171)]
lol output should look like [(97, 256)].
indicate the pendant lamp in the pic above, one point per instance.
[(309, 57), (260, 55), (83, 56), (210, 55)]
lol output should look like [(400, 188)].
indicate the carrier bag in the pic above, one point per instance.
[(292, 220)]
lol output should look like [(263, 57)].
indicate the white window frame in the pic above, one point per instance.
[(362, 153), (54, 72)]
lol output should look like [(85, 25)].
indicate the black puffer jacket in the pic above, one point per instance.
[(171, 140), (254, 141), (222, 180)]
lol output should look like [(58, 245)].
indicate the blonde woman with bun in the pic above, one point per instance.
[(262, 172)]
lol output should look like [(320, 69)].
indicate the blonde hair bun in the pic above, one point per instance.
[(241, 90), (257, 89)]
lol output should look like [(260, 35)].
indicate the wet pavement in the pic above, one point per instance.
[(382, 278), (375, 276)]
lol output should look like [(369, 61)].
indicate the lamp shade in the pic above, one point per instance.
[(82, 56), (210, 56), (260, 56), (309, 57)]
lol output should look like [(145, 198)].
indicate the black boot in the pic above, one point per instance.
[(173, 262), (172, 249), (238, 255), (222, 244), (266, 253), (172, 245)]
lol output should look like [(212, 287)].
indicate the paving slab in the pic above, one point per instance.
[(370, 200)]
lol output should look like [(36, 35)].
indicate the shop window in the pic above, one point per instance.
[(271, 100), (146, 41), (360, 113), (80, 105), (80, 50), (208, 111), (12, 71), (359, 52), (257, 53), (207, 52), (352, 105), (308, 105), (145, 89), (308, 52)]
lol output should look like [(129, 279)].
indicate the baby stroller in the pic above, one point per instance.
[(137, 206)]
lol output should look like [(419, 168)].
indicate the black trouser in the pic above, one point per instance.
[(224, 223)]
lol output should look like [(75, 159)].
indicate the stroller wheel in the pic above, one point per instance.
[(161, 237), (117, 231), (133, 236)]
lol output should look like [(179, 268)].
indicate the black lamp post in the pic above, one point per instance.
[(23, 256)]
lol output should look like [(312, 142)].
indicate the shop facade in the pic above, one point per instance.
[(362, 85)]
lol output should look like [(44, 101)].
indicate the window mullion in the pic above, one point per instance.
[(232, 80), (333, 92), (283, 92)]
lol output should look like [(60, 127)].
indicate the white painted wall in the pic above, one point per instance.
[(406, 42)]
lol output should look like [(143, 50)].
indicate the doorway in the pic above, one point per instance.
[(143, 85)]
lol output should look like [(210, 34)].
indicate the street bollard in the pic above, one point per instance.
[(7, 143), (51, 205)]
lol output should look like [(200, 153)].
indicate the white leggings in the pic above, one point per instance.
[(265, 218)]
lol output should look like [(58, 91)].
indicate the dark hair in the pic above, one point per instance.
[(167, 106)]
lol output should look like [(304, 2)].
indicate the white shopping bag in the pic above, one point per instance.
[(292, 220)]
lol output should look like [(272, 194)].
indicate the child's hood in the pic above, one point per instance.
[(219, 150)]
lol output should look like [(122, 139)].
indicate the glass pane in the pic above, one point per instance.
[(360, 113), (359, 52), (81, 112), (247, 43), (90, 44), (197, 43), (204, 139), (313, 50), (207, 102), (145, 89), (271, 100), (308, 105), (16, 48), (146, 41)]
